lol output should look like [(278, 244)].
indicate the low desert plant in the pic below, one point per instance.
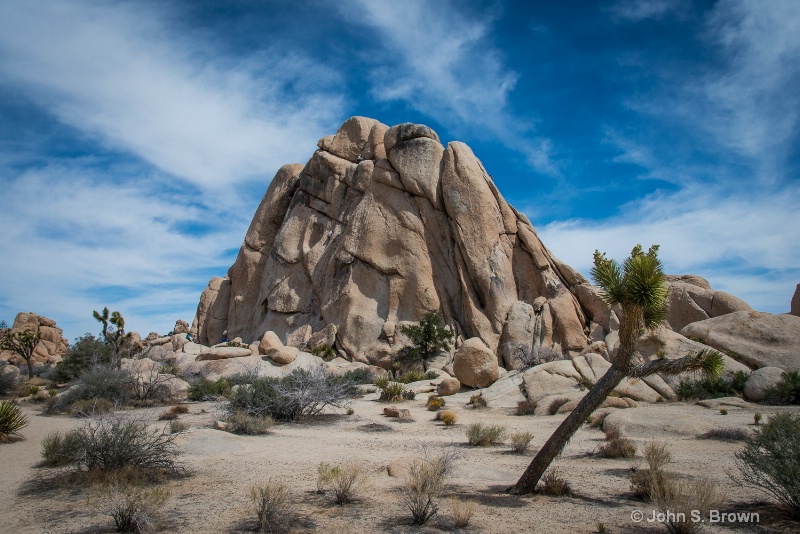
[(557, 403), (553, 483), (251, 425), (436, 403), (787, 391), (771, 460), (447, 417), (60, 449), (382, 380), (347, 481), (395, 391), (326, 352), (478, 401), (177, 427), (712, 388), (482, 435), (415, 376), (461, 512), (98, 382), (204, 389), (757, 418), (272, 505), (12, 420), (596, 420), (29, 390), (680, 500), (170, 368), (325, 474), (723, 411), (526, 407), (726, 434), (423, 484), (617, 446), (90, 407), (520, 441), (52, 392), (134, 508)]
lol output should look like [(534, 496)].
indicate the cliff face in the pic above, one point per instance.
[(381, 226)]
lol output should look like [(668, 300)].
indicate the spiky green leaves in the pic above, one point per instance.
[(12, 420), (639, 283), (709, 362)]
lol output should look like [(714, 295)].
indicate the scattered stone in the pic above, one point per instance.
[(394, 411)]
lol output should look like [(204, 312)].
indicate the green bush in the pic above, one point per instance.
[(435, 403), (482, 435), (8, 381), (395, 391), (113, 385), (12, 420), (415, 376), (771, 460), (787, 391), (712, 388), (204, 389), (326, 352), (478, 401), (250, 425), (86, 352), (170, 368), (298, 395), (60, 449)]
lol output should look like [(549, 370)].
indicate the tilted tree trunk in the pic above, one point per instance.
[(590, 402)]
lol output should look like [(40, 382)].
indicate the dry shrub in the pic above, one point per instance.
[(617, 446), (482, 435), (436, 403), (554, 484), (348, 481), (176, 427), (134, 508), (461, 512), (520, 441), (250, 425), (168, 415), (325, 474), (682, 498), (59, 449), (272, 505), (651, 481), (447, 417), (526, 407), (423, 483), (557, 403), (596, 420), (478, 401), (91, 407), (726, 434)]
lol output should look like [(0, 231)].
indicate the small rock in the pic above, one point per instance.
[(394, 411), (448, 386)]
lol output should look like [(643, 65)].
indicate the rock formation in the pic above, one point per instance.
[(381, 226), (52, 344)]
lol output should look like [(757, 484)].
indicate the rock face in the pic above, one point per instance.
[(690, 299), (759, 381), (795, 310), (381, 226), (52, 344), (756, 339)]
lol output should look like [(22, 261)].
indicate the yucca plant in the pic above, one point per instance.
[(11, 420), (638, 287)]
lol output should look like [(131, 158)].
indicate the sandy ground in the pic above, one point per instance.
[(215, 497)]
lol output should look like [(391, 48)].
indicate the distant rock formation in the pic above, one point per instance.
[(52, 344)]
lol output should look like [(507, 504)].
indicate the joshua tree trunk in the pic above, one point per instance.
[(593, 399)]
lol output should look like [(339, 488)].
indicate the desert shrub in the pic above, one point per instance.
[(85, 352), (326, 352), (645, 483), (712, 388), (134, 508), (177, 427), (179, 409), (557, 403), (436, 403), (8, 381), (787, 391), (415, 376), (395, 391), (757, 418), (447, 417), (12, 420), (520, 441), (478, 401), (684, 498), (272, 505), (617, 446), (298, 395), (59, 449), (325, 473), (90, 407), (204, 389), (250, 425), (358, 376), (423, 484), (553, 483), (461, 512), (170, 368), (29, 390), (771, 460), (173, 413), (596, 420), (482, 435), (116, 443), (526, 407), (347, 481), (723, 411), (99, 382), (726, 434), (52, 392), (381, 381)]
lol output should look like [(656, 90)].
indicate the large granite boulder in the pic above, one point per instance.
[(761, 380), (475, 365), (690, 298), (52, 344)]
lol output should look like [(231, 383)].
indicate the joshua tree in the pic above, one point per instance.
[(430, 339), (115, 334), (23, 344), (638, 287)]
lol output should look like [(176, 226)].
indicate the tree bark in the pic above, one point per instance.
[(553, 447)]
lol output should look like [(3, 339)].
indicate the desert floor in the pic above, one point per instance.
[(215, 497)]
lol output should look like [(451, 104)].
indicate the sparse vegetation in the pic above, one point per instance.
[(429, 339), (771, 460), (347, 481), (134, 508), (526, 407), (22, 344), (170, 368), (423, 484), (787, 391), (272, 505), (651, 481), (326, 352), (204, 389), (250, 425), (557, 403), (726, 434), (478, 401), (447, 417), (481, 435), (436, 403), (12, 420), (723, 411), (99, 382), (682, 498), (113, 333), (90, 407), (176, 427), (757, 418), (520, 442), (59, 449), (395, 391), (415, 376), (554, 484), (617, 446), (712, 387), (461, 512), (86, 352)]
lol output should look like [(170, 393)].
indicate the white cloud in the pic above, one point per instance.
[(638, 10), (117, 72)]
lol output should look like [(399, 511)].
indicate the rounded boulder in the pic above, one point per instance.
[(475, 365)]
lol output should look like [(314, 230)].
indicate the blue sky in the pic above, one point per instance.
[(137, 138)]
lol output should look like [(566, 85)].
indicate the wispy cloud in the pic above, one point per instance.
[(637, 10)]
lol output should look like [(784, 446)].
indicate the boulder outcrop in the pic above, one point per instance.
[(52, 344), (381, 226)]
